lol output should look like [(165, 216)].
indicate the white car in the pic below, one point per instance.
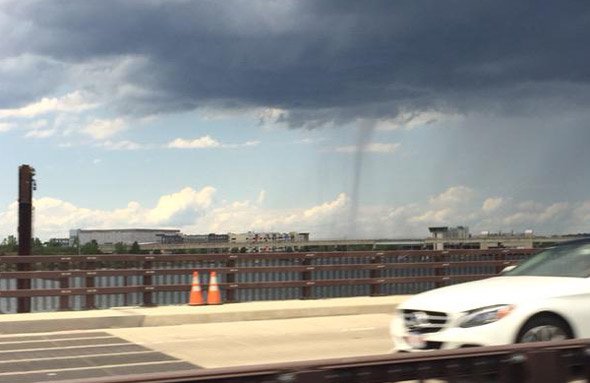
[(547, 297)]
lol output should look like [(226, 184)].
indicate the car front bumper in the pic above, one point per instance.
[(451, 336)]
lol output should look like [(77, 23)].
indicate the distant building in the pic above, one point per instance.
[(195, 238), (270, 237), (440, 233), (126, 236), (445, 232), (166, 238), (205, 238), (59, 242), (444, 237), (212, 237)]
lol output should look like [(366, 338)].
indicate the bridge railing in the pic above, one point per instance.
[(93, 281)]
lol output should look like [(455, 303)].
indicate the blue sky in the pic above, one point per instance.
[(238, 116)]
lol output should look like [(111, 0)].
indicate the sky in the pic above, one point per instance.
[(344, 119)]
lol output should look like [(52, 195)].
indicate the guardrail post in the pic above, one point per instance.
[(64, 300), (499, 257), (307, 276), (439, 271), (23, 303), (377, 274), (64, 284), (148, 281), (90, 301), (230, 277), (125, 284)]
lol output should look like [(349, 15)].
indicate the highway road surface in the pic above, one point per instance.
[(271, 341), (26, 358)]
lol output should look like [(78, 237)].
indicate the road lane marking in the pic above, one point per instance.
[(79, 356), (67, 347), (55, 340), (105, 366)]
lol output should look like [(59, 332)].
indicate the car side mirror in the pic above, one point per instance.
[(507, 269)]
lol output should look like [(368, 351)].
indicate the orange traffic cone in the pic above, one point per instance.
[(196, 297), (213, 295)]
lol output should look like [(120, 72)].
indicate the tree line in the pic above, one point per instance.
[(9, 246)]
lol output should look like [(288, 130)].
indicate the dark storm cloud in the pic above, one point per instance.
[(320, 60)]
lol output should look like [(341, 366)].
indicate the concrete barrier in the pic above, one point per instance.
[(124, 317)]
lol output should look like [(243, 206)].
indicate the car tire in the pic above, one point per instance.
[(544, 328)]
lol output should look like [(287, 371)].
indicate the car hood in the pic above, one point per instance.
[(493, 291)]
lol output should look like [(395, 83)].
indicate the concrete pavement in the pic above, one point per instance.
[(84, 344), (64, 355), (129, 317), (211, 345)]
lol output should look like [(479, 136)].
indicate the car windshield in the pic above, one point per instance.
[(562, 261)]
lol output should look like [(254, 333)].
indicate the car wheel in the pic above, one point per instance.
[(541, 329)]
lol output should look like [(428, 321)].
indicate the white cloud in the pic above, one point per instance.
[(54, 217), (120, 145), (101, 129), (40, 133), (452, 196), (326, 208), (529, 205), (206, 142), (72, 102), (187, 199), (198, 143), (200, 211), (324, 220), (454, 206), (492, 204), (429, 217), (261, 197), (193, 211), (554, 211), (243, 145), (39, 124), (581, 220), (536, 213), (6, 126), (310, 140), (374, 147)]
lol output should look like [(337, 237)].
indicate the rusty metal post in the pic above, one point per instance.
[(64, 284), (438, 271), (90, 298), (125, 284), (230, 277), (500, 257), (307, 277), (26, 185), (148, 281), (377, 288)]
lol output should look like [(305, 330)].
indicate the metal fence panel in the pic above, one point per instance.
[(284, 275)]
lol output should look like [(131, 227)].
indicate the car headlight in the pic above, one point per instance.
[(485, 315)]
